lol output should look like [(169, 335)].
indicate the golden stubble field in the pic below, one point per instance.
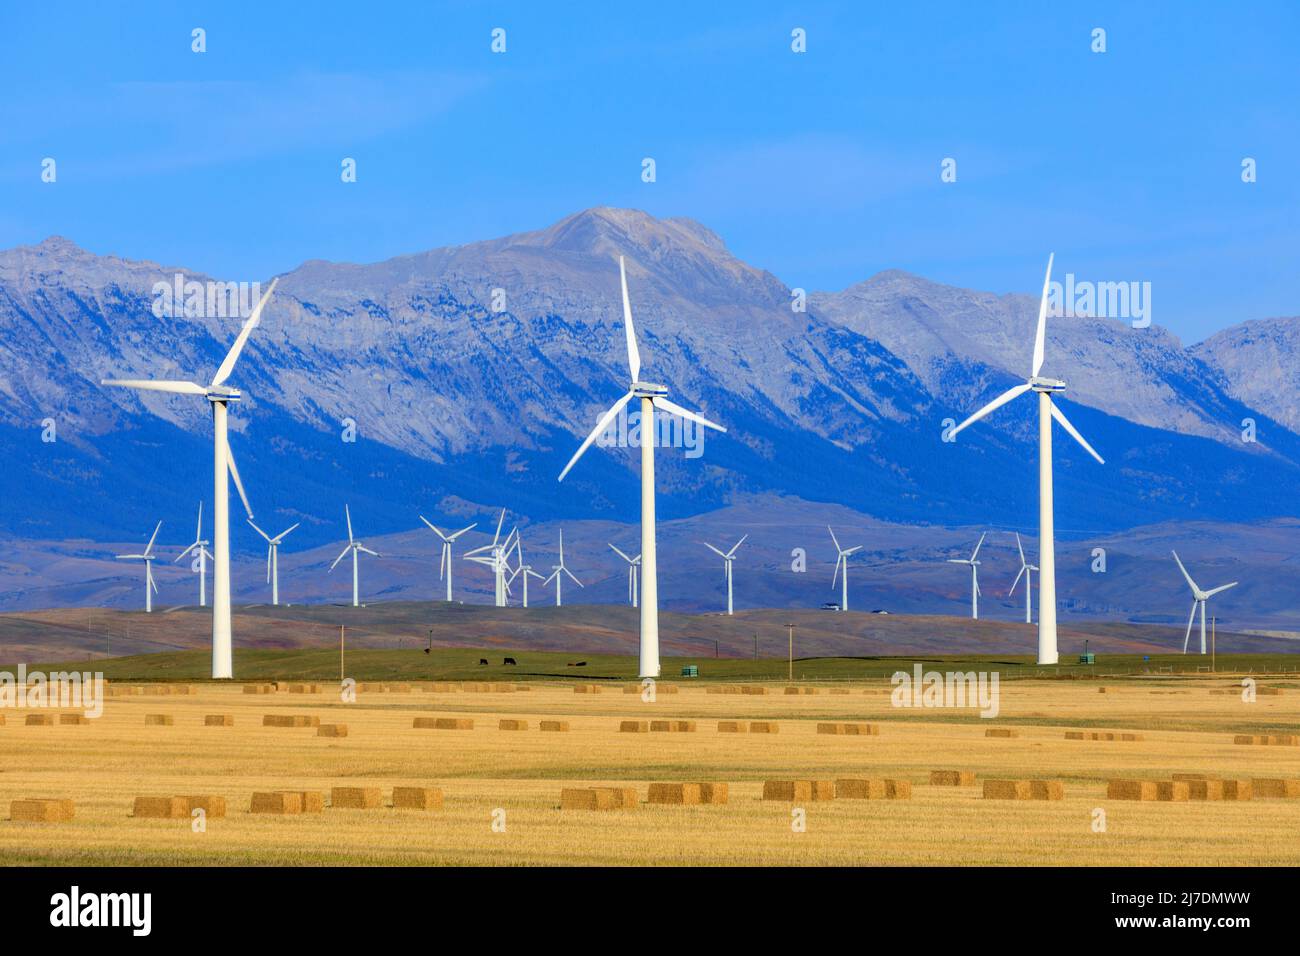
[(104, 765)]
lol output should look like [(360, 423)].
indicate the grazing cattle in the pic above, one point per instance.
[(482, 661), (577, 663), (509, 660)]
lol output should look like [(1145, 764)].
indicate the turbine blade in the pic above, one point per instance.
[(633, 354), (285, 533), (601, 425), (838, 549), (232, 356), (1016, 581), (737, 544), (340, 557), (1021, 550), (621, 555), (1225, 587), (1190, 583), (442, 564), (1074, 433), (571, 577), (673, 408), (713, 549), (1040, 336), (149, 547), (269, 549), (259, 530), (157, 385), (1191, 617), (554, 574), (469, 527), (198, 533), (434, 529), (992, 406), (500, 521), (347, 513), (561, 547), (976, 552), (836, 576), (183, 553), (362, 547), (239, 485)]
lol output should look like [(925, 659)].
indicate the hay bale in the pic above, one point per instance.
[(840, 690), (39, 720), (1193, 776), (1245, 739), (830, 728), (401, 688), (1130, 738), (623, 798), (283, 802), (1007, 790), (219, 720), (898, 789), (732, 727), (290, 720), (453, 723), (313, 801), (1173, 791), (787, 790), (1001, 732), (853, 788), (713, 793), (212, 806), (355, 798), (660, 726), (1101, 690), (1046, 790), (1237, 789), (586, 798), (752, 689), (165, 808), (304, 688), (157, 690), (41, 810), (1074, 735), (764, 727), (1131, 790), (258, 689), (159, 720), (417, 798), (862, 730), (332, 730), (674, 793), (1275, 787), (952, 778), (634, 727), (2, 720), (512, 724), (1204, 789), (73, 719), (586, 689), (554, 725)]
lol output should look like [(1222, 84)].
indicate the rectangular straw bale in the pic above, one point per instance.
[(713, 793), (797, 790), (660, 726), (823, 789), (1275, 787), (1007, 790), (417, 798), (39, 720), (160, 720), (898, 789), (764, 727), (453, 723), (1237, 789), (1204, 789), (278, 801), (675, 793), (623, 798), (554, 725), (219, 720), (313, 801), (586, 798), (862, 730), (508, 723), (212, 806), (1001, 732), (830, 728), (167, 808), (952, 778), (332, 730), (1046, 790), (852, 788), (732, 727), (1173, 791), (1074, 735), (258, 689), (1131, 790), (356, 798), (752, 689), (586, 689), (634, 727), (41, 810), (73, 719)]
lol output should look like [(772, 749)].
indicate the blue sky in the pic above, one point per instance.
[(821, 167)]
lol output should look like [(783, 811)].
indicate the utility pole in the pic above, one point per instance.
[(790, 672), (1213, 629), (341, 672), (755, 647)]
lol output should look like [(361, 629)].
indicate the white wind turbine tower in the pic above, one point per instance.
[(148, 557), (525, 569), (200, 550), (727, 558), (651, 396), (496, 558), (560, 569), (444, 569), (273, 558), (1199, 599), (842, 563), (633, 566), (356, 547), (219, 396), (1047, 410), (974, 577), (1026, 570)]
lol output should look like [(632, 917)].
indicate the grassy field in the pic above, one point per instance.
[(103, 765)]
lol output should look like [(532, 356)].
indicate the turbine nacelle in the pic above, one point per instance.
[(1041, 384), (649, 390)]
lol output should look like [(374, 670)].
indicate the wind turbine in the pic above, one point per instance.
[(219, 396), (525, 569), (842, 561), (148, 557), (444, 569), (727, 558), (559, 569), (200, 550), (974, 577), (651, 396), (273, 558), (355, 547), (1026, 569), (633, 566), (1199, 598), (1047, 410), (495, 558)]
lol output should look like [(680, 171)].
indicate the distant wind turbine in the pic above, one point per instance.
[(1026, 569), (842, 564), (356, 547), (557, 570), (496, 558), (1199, 599), (727, 558), (444, 568), (219, 396), (273, 558), (1047, 410), (200, 550), (633, 566), (148, 557), (524, 569), (974, 577), (651, 396)]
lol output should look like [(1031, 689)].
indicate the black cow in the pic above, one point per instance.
[(482, 661), (510, 661)]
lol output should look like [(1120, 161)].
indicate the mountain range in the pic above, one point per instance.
[(469, 375)]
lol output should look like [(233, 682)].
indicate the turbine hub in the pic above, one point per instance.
[(649, 390)]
